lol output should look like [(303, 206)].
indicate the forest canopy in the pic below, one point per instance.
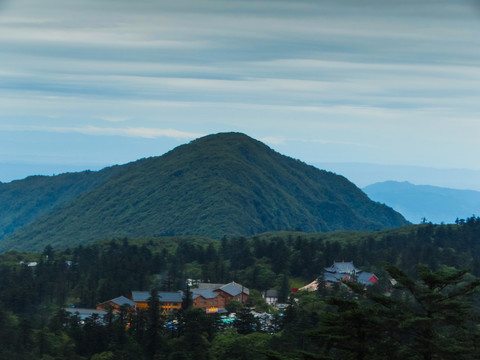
[(434, 299)]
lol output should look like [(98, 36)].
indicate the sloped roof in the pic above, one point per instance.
[(345, 271), (163, 296), (140, 296), (343, 267), (170, 296), (367, 278), (234, 289), (271, 293), (205, 293), (85, 313), (331, 277), (120, 301), (211, 286), (231, 288)]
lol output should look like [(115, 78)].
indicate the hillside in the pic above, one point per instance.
[(435, 204), (223, 184), (23, 201)]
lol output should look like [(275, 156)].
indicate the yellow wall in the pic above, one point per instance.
[(169, 306)]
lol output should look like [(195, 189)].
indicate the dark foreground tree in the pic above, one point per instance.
[(154, 325), (431, 318), (437, 318)]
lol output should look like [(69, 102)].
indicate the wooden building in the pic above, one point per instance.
[(169, 301), (226, 292), (116, 304)]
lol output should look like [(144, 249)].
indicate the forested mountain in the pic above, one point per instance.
[(426, 203), (223, 184), (23, 201)]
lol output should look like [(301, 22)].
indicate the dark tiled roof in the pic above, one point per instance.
[(163, 296), (170, 296), (231, 288), (203, 286), (85, 313), (342, 267), (122, 300), (271, 293), (234, 289), (140, 296), (347, 271), (205, 293), (364, 277)]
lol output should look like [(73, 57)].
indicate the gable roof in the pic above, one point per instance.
[(232, 288), (205, 293), (120, 301), (343, 267)]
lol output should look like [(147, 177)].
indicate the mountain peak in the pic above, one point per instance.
[(222, 184)]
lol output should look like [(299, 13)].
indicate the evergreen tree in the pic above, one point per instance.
[(246, 323), (437, 317), (154, 325), (284, 288), (187, 298)]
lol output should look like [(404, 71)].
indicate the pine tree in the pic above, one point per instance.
[(437, 316), (154, 325), (427, 319)]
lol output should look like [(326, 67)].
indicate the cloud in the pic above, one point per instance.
[(114, 118), (273, 140), (297, 74), (139, 132)]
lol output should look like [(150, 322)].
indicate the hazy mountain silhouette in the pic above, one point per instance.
[(431, 203)]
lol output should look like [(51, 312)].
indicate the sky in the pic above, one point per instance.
[(92, 83)]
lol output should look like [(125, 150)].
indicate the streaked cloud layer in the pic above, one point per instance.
[(373, 81)]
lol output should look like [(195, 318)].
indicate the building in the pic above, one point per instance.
[(207, 299), (271, 297), (343, 271), (227, 292), (116, 304), (169, 301), (84, 314), (346, 271)]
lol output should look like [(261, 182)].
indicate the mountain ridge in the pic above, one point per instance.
[(222, 184)]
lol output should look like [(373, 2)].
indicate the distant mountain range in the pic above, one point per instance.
[(224, 184), (364, 174), (424, 202)]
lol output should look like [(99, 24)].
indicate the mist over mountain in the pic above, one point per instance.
[(226, 184), (431, 203)]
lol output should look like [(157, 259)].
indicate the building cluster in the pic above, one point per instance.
[(211, 297)]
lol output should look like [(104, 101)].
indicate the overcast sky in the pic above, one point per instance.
[(85, 84)]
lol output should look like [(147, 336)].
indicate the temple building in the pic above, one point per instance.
[(343, 271)]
